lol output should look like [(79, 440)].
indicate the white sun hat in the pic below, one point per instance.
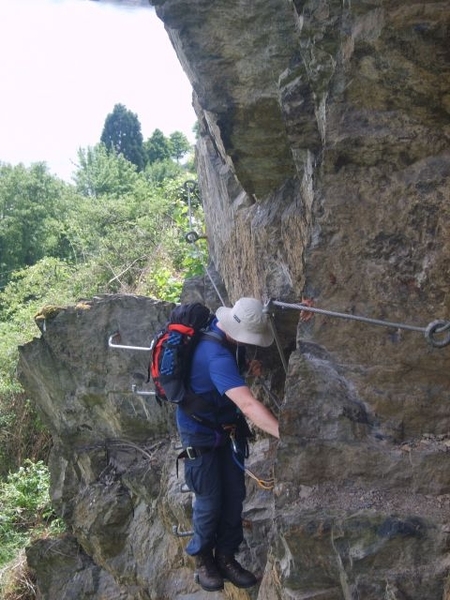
[(246, 322)]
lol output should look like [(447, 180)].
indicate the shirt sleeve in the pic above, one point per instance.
[(224, 373)]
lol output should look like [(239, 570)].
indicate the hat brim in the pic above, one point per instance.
[(229, 325)]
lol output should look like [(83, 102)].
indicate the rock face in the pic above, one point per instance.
[(324, 168)]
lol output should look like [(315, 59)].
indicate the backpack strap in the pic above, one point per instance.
[(238, 351), (212, 336), (195, 403)]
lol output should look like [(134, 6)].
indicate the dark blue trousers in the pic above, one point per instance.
[(219, 487)]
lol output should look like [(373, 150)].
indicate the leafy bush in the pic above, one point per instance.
[(25, 508)]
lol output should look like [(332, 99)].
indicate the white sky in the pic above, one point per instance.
[(64, 64)]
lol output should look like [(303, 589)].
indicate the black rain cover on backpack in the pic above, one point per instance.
[(172, 350)]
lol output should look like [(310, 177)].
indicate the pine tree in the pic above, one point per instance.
[(122, 135)]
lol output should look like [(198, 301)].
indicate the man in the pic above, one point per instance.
[(214, 438)]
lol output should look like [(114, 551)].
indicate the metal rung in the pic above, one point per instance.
[(141, 392), (123, 347), (176, 530)]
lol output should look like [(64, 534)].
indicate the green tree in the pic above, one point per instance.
[(157, 147), (122, 134), (31, 209), (162, 170), (179, 145), (101, 172)]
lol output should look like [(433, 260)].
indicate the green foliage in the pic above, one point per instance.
[(122, 135), (111, 233), (22, 434), (157, 147), (125, 239), (32, 204), (48, 281), (160, 170), (25, 508), (101, 172), (179, 145)]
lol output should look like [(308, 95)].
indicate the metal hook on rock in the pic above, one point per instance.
[(192, 236), (436, 328), (190, 186)]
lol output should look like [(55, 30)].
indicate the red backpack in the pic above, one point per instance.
[(172, 349)]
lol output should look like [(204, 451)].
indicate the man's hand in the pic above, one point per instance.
[(254, 368)]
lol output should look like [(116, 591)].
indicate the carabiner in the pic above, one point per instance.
[(233, 441)]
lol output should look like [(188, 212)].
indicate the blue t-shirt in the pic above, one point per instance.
[(214, 371)]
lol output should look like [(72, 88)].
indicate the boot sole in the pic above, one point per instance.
[(241, 586), (206, 588)]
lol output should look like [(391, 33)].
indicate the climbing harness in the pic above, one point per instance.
[(436, 328)]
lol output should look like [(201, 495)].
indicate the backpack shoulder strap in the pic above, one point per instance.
[(195, 403), (213, 337)]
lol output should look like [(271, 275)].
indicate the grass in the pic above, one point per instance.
[(17, 581)]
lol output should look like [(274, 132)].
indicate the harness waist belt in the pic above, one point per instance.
[(192, 453)]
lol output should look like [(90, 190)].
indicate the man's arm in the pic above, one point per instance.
[(254, 409)]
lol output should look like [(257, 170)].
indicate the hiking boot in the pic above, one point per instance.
[(230, 569), (206, 572)]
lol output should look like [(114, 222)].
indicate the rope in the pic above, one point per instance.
[(265, 484), (434, 328)]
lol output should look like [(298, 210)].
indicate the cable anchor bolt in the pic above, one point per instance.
[(434, 331)]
